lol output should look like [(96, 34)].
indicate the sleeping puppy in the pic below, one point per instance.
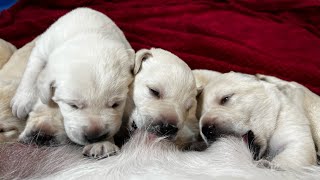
[(84, 64), (163, 97), (242, 105)]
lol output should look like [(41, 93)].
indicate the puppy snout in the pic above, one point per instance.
[(164, 129), (210, 131), (94, 133)]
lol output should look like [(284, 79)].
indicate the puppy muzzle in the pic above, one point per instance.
[(163, 129)]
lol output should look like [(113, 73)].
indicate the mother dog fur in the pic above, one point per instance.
[(234, 103)]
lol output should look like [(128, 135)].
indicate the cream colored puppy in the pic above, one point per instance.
[(85, 65), (163, 96), (239, 104), (43, 128)]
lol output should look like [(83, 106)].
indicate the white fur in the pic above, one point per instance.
[(281, 127), (172, 78), (147, 158), (84, 64)]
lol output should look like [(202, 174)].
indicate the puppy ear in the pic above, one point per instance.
[(46, 91), (199, 90), (141, 56)]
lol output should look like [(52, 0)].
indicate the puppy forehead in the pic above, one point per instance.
[(88, 83), (171, 78), (231, 83)]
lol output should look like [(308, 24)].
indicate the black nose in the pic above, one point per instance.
[(96, 136), (164, 129), (210, 132)]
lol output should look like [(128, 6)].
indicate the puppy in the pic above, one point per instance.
[(239, 104), (163, 97), (84, 64)]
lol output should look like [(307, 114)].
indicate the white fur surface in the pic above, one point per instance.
[(145, 158)]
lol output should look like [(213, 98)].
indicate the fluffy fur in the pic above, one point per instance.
[(10, 75), (6, 50), (235, 103), (143, 158)]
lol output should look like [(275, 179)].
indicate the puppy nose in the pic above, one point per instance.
[(164, 129), (210, 131), (95, 136)]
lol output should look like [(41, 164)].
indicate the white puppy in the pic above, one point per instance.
[(84, 64), (163, 96), (239, 104)]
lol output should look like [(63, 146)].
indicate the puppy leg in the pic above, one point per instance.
[(101, 150), (26, 95), (44, 126)]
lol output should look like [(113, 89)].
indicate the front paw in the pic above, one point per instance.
[(22, 104), (100, 150)]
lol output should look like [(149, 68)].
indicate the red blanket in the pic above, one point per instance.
[(280, 38)]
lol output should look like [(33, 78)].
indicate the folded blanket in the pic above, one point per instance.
[(280, 38)]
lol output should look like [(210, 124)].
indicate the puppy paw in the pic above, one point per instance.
[(43, 131), (100, 150), (22, 104)]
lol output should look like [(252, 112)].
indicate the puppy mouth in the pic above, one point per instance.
[(162, 129), (249, 139)]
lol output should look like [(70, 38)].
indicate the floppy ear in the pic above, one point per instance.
[(199, 90), (46, 89), (141, 56)]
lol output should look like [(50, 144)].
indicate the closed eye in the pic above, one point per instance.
[(225, 99), (74, 106), (115, 105), (154, 92)]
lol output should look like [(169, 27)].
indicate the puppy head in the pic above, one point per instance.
[(235, 104), (164, 93), (90, 86)]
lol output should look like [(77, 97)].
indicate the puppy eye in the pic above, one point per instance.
[(115, 105), (154, 92), (225, 99), (73, 106)]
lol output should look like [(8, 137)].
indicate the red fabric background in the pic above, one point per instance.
[(280, 38)]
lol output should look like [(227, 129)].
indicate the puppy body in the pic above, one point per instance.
[(234, 103), (10, 76), (302, 96), (84, 64), (6, 50)]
